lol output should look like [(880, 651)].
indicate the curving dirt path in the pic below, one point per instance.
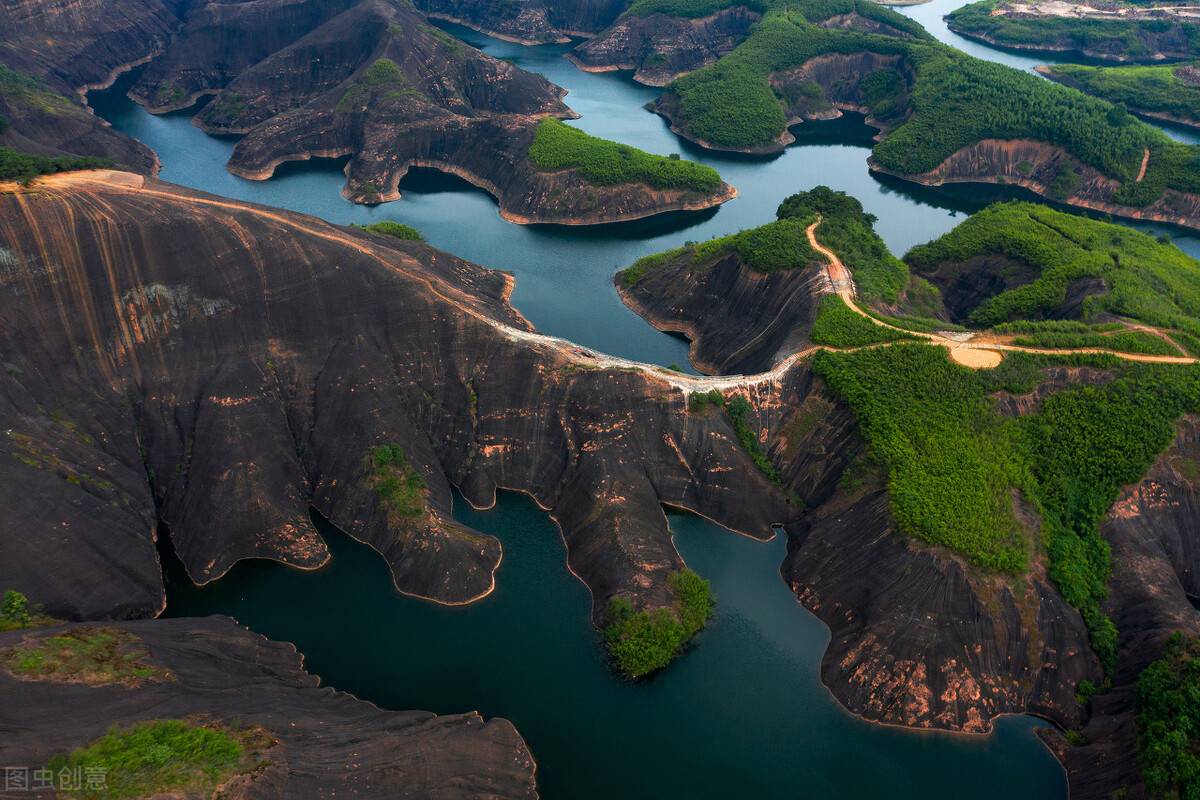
[(970, 352), (974, 352)]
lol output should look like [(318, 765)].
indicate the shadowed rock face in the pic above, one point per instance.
[(223, 673), (529, 21), (660, 48), (221, 367), (738, 320), (1156, 566), (83, 43), (60, 49)]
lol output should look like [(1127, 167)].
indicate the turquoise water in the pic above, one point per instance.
[(742, 715), (744, 712)]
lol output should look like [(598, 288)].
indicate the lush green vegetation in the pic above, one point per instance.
[(837, 326), (850, 232), (956, 101), (164, 756), (84, 654), (955, 466), (396, 230), (23, 167), (15, 611), (1121, 342), (558, 146), (400, 488), (691, 9), (738, 409), (783, 244), (1152, 89), (1129, 38), (642, 642), (1148, 280), (1168, 721)]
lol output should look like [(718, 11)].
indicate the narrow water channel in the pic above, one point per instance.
[(744, 713)]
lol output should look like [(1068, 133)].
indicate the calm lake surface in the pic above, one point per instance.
[(744, 713)]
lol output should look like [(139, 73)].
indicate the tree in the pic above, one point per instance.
[(14, 608)]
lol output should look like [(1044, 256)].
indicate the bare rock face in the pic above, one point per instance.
[(222, 367), (660, 48), (52, 52), (738, 320), (529, 21), (326, 743), (1156, 569), (84, 43)]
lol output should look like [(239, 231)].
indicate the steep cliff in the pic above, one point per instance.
[(219, 672), (659, 47), (223, 367), (1156, 576), (528, 21), (738, 320)]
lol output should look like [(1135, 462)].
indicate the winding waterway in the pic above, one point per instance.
[(744, 713)]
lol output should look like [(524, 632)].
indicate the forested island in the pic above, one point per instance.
[(1170, 93)]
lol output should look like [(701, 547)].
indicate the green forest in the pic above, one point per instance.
[(1146, 279), (1146, 89), (955, 101), (1130, 39), (558, 146)]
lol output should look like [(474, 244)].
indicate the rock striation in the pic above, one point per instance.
[(528, 21), (659, 47), (221, 367), (326, 743)]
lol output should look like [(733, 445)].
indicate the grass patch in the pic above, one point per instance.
[(163, 756), (379, 83), (396, 230), (84, 654), (1168, 721), (837, 326), (642, 642), (400, 488), (558, 146)]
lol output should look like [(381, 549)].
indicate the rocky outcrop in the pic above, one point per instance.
[(84, 44), (737, 319), (1035, 165), (659, 48), (220, 367), (1156, 570), (326, 743), (41, 121), (528, 21), (492, 153)]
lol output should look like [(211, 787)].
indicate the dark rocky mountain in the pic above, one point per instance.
[(660, 47), (738, 320), (529, 21), (223, 367), (222, 673)]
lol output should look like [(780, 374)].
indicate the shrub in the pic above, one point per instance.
[(14, 611), (396, 230), (400, 488), (17, 166), (642, 642)]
